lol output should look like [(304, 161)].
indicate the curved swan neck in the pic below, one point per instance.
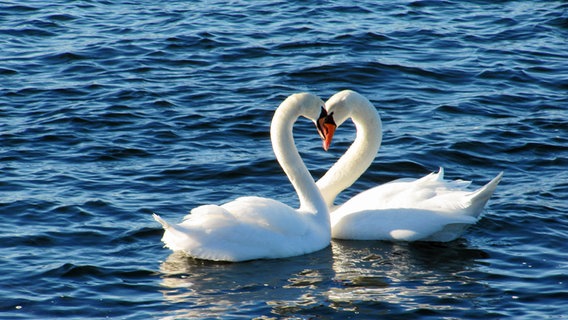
[(289, 158), (360, 154)]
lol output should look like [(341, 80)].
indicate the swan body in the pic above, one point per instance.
[(425, 209), (259, 228)]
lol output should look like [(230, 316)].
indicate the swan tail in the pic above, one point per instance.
[(430, 178), (163, 222), (479, 198), (440, 174), (173, 237)]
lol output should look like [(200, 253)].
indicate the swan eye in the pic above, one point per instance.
[(329, 119), (320, 122), (325, 120), (323, 113)]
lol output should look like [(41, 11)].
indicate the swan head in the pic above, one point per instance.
[(344, 105), (303, 104), (313, 108), (337, 109), (340, 106)]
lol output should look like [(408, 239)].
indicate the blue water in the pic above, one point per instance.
[(112, 110)]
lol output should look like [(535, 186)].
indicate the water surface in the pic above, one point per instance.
[(110, 111)]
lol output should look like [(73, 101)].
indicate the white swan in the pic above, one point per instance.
[(427, 209), (259, 228)]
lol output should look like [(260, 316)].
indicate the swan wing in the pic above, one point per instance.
[(430, 192), (269, 214), (453, 197)]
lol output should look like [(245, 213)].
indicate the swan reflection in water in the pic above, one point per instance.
[(211, 289), (402, 276), (369, 277)]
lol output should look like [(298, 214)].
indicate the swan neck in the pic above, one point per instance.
[(289, 158), (358, 157)]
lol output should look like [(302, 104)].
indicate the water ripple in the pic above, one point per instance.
[(114, 110)]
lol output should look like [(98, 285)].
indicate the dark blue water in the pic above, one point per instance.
[(112, 110)]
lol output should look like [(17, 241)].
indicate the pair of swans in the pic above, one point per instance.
[(427, 209)]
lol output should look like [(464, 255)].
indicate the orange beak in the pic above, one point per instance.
[(328, 131), (326, 128)]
